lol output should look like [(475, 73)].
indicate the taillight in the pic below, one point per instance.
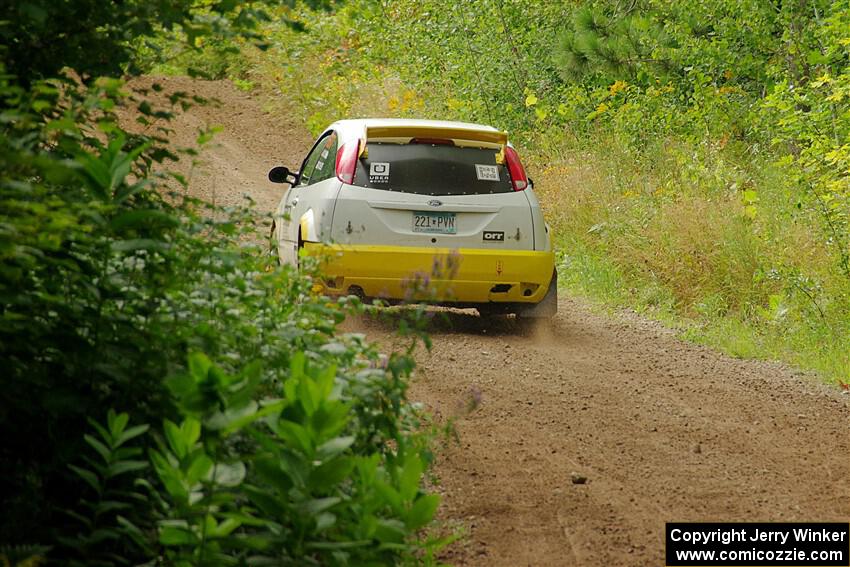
[(346, 161), (515, 169)]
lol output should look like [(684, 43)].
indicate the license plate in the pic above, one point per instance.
[(441, 223)]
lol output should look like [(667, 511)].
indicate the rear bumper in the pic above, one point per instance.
[(468, 276)]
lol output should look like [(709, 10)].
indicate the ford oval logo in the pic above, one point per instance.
[(435, 203)]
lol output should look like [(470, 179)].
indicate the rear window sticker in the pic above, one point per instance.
[(379, 172), (325, 154), (320, 165), (486, 172)]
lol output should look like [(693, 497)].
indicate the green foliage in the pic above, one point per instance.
[(85, 249), (111, 278), (613, 40), (813, 122), (687, 153), (23, 555), (254, 472), (38, 38), (109, 521), (285, 492)]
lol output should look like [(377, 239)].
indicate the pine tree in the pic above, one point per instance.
[(613, 42)]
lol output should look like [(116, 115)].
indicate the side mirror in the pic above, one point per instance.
[(281, 174)]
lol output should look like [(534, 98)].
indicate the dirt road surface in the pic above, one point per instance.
[(586, 436)]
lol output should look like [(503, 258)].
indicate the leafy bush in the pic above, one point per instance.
[(248, 477), (110, 279), (87, 249), (296, 446)]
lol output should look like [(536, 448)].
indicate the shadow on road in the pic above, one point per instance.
[(447, 321)]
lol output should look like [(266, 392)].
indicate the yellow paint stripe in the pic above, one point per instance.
[(466, 274), (469, 134)]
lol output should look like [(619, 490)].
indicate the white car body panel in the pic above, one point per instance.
[(304, 215), (334, 212), (372, 216)]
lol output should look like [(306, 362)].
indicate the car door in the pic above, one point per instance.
[(307, 207)]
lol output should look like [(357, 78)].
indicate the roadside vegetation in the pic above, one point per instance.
[(692, 157), (170, 395)]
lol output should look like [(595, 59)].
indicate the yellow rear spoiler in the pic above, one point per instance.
[(457, 134)]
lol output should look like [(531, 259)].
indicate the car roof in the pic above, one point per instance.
[(355, 128)]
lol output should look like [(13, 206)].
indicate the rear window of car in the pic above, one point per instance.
[(432, 169)]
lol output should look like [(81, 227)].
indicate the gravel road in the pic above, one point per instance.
[(585, 436)]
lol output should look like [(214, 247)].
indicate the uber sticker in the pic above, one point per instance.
[(486, 172), (379, 172)]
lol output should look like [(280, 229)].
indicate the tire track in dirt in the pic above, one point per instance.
[(662, 430)]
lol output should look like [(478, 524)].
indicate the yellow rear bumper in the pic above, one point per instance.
[(407, 273)]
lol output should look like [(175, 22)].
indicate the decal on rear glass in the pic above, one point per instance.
[(325, 153), (379, 172), (486, 172)]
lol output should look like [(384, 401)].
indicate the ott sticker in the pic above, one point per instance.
[(379, 172), (486, 172)]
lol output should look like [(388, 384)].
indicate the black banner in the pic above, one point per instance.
[(758, 544)]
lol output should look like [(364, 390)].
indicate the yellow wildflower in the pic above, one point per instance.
[(618, 86)]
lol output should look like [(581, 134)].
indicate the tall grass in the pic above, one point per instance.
[(684, 240)]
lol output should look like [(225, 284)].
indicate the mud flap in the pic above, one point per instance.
[(548, 306)]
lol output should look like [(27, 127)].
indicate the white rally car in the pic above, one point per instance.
[(419, 209)]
